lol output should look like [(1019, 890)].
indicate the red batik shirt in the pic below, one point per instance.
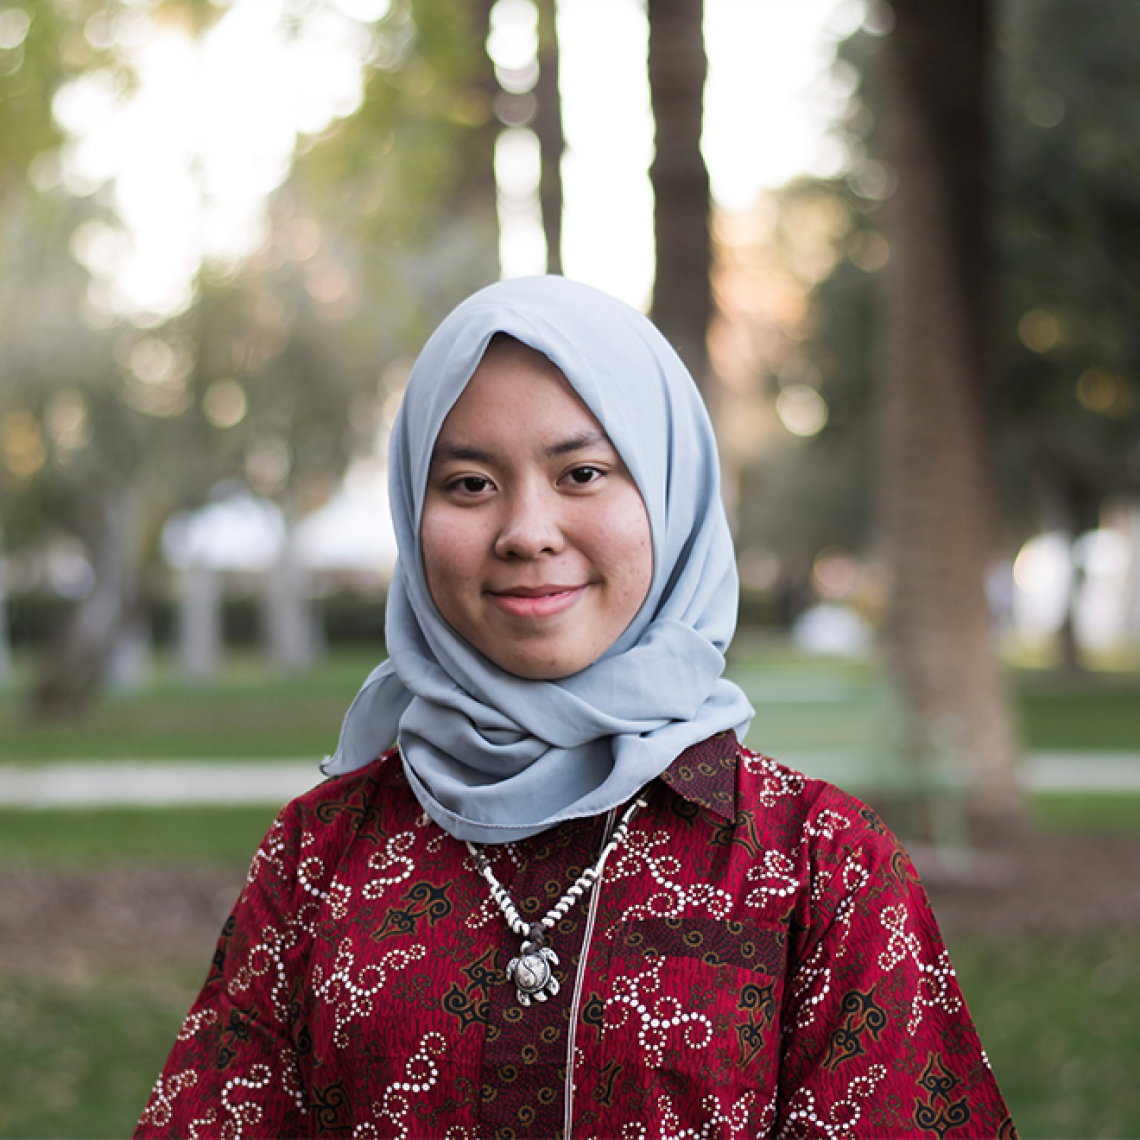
[(758, 960)]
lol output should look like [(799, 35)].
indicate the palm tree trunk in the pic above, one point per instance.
[(551, 139), (936, 487), (682, 294), (480, 190)]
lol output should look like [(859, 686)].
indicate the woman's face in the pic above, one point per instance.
[(536, 542)]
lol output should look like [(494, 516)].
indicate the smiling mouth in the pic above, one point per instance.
[(537, 601)]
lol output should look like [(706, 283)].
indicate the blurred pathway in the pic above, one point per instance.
[(188, 783), (179, 783)]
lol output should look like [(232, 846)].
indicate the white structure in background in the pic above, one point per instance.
[(1129, 525), (352, 534), (834, 629), (1043, 583), (237, 534), (1104, 597), (1102, 601)]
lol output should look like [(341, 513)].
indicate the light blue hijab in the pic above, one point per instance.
[(493, 757)]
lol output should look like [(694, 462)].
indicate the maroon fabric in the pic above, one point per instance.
[(762, 961)]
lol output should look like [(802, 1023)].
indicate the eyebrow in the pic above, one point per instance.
[(577, 442), (461, 452)]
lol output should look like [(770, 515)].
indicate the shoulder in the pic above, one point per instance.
[(323, 823), (337, 794), (828, 832)]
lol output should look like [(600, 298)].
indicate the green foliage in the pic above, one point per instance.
[(1069, 244), (1065, 401), (52, 49), (276, 376)]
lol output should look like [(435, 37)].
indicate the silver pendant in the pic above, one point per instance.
[(532, 974)]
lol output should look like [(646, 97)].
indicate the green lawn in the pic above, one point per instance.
[(78, 1057), (93, 838), (1058, 1016), (248, 713)]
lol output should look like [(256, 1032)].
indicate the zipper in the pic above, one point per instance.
[(579, 980)]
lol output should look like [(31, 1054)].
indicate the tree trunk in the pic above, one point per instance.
[(548, 127), (200, 639), (936, 487), (77, 663), (480, 192), (682, 294), (5, 643)]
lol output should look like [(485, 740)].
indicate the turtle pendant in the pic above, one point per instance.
[(532, 972)]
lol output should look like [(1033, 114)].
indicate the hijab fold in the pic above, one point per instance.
[(493, 757)]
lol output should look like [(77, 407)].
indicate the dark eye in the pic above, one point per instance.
[(584, 475), (471, 484)]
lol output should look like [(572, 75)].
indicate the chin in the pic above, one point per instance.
[(530, 669)]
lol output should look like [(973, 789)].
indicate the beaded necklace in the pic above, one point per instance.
[(532, 972)]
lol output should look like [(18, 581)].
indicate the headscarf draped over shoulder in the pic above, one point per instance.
[(493, 757)]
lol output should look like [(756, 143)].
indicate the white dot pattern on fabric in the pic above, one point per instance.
[(776, 876), (351, 998), (932, 989), (160, 1107), (803, 1117), (670, 896), (776, 781), (718, 1121), (421, 1074), (393, 865), (642, 997), (195, 1021)]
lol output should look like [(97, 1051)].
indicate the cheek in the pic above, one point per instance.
[(628, 543), (445, 545)]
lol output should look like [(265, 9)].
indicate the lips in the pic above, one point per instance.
[(537, 601)]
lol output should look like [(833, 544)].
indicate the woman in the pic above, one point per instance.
[(566, 901)]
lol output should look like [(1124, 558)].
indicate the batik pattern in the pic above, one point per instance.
[(761, 961)]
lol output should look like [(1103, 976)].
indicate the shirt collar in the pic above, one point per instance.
[(705, 774)]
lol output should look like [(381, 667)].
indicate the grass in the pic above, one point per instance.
[(93, 838), (78, 1057), (248, 713), (1094, 715), (1087, 814), (1057, 1014)]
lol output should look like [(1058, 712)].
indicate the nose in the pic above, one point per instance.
[(530, 524)]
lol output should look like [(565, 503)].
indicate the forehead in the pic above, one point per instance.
[(514, 394)]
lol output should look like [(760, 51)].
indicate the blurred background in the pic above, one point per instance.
[(898, 245)]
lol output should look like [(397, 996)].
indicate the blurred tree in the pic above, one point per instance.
[(682, 291), (548, 127), (936, 484), (1069, 247), (275, 375), (1060, 404)]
